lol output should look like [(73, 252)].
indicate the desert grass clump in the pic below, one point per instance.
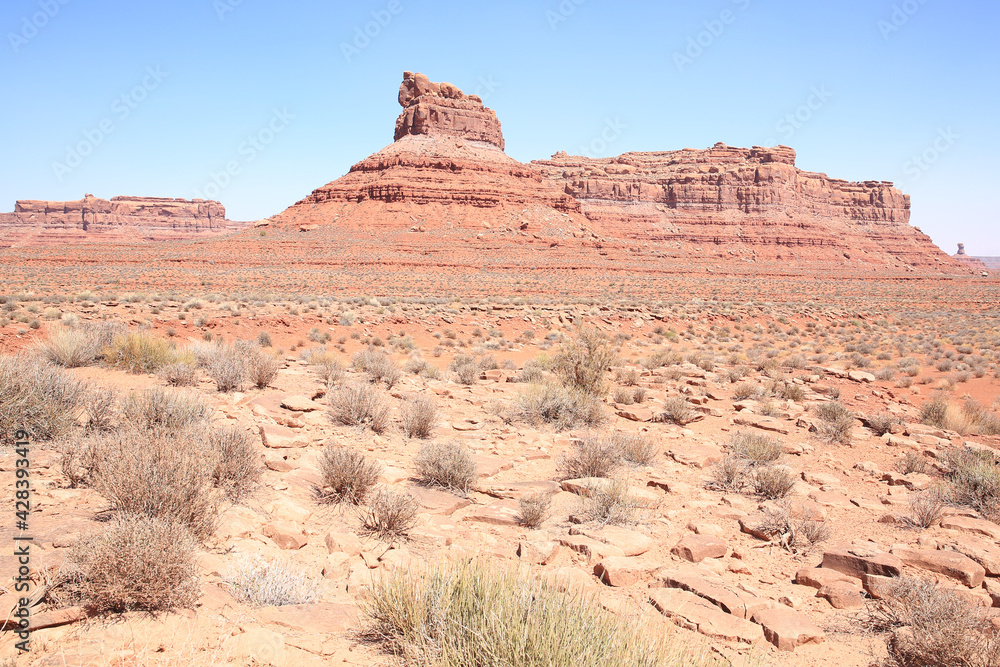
[(756, 448), (747, 391), (261, 367), (926, 508), (792, 533), (389, 514), (138, 352), (38, 397), (934, 412), (584, 362), (730, 474), (159, 474), (533, 509), (552, 403), (926, 625), (70, 348), (100, 404), (882, 423), (360, 405), (635, 449), (138, 563), (985, 421), (237, 468), (593, 456), (836, 422), (274, 582), (448, 465), (227, 368), (912, 462), (974, 477), (162, 409), (771, 481), (180, 374), (676, 410), (79, 458), (378, 366), (419, 417), (610, 502), (347, 475), (466, 369)]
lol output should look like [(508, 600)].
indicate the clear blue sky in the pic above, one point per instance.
[(201, 76)]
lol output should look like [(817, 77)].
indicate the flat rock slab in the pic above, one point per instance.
[(763, 423), (695, 455), (971, 525), (299, 403), (621, 571), (316, 617), (629, 541), (696, 548), (435, 501), (818, 577), (538, 552), (594, 550), (949, 563), (488, 466), (717, 591), (635, 414), (518, 490), (285, 535), (500, 513), (694, 613), (984, 552), (842, 595), (856, 563), (788, 629), (275, 436)]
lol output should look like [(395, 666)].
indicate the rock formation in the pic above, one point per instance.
[(117, 219), (973, 262), (447, 172)]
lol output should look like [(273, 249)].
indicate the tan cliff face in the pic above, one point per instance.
[(117, 219)]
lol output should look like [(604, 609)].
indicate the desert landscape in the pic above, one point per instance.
[(690, 407)]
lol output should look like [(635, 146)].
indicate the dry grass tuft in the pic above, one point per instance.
[(37, 397), (534, 509), (348, 475), (359, 405), (419, 416), (450, 466), (389, 514), (270, 583), (584, 362)]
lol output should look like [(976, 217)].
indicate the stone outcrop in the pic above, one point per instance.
[(444, 193), (968, 260), (118, 219)]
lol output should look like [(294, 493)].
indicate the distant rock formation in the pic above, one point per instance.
[(979, 263), (119, 219), (447, 178)]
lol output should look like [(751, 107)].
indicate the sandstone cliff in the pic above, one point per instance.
[(118, 219)]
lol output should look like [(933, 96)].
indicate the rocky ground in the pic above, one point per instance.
[(694, 556)]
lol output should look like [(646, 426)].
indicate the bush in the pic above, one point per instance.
[(912, 462), (933, 626), (79, 459), (554, 404), (883, 423), (237, 461), (926, 508), (262, 368), (935, 411), (378, 366), (756, 448), (467, 373), (137, 563), (453, 615), (611, 503), (37, 397), (227, 368), (180, 374), (100, 406), (359, 405), (584, 362), (138, 352), (974, 476), (594, 456), (450, 466), (270, 583), (70, 348), (389, 514), (676, 410), (635, 449), (419, 416), (164, 409), (729, 474), (159, 474), (837, 422), (747, 391), (347, 475), (534, 509), (627, 376), (792, 534), (771, 482)]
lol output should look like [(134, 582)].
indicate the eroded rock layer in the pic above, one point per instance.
[(118, 219)]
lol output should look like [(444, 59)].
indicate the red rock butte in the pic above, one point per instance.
[(118, 220), (445, 191)]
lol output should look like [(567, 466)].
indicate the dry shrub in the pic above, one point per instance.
[(611, 503), (262, 368), (347, 475), (70, 348), (163, 409), (974, 478), (584, 362), (747, 391), (730, 474), (985, 422), (449, 466), (836, 422), (139, 352), (912, 462), (635, 449), (227, 368), (419, 416), (676, 410), (359, 405), (926, 508), (466, 372), (160, 474), (593, 456), (930, 626), (534, 509), (79, 458), (138, 563), (180, 374), (554, 404), (755, 448), (771, 482), (883, 423), (627, 376), (100, 405), (270, 583), (934, 412), (238, 466), (330, 371), (456, 614), (37, 397), (378, 366), (389, 514), (793, 534)]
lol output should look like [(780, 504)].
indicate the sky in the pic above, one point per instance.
[(257, 103)]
